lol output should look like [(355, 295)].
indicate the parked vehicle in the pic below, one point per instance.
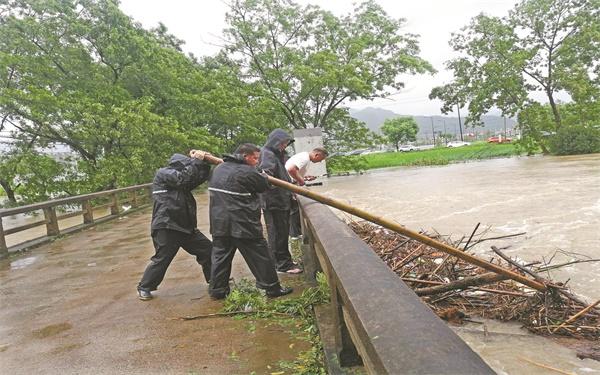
[(499, 139), (407, 148), (457, 144)]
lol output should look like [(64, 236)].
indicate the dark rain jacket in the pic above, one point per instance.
[(272, 162), (234, 201), (174, 204)]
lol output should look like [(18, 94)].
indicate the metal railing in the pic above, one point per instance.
[(133, 195), (377, 319)]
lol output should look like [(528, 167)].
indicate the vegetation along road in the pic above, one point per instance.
[(435, 156)]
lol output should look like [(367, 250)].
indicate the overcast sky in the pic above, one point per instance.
[(200, 24)]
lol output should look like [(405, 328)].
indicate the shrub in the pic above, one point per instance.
[(571, 140)]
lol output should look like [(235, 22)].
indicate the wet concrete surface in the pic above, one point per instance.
[(71, 307)]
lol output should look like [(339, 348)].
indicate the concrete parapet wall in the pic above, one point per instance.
[(378, 319)]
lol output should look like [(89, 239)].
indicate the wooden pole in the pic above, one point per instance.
[(51, 221), (482, 279), (114, 207), (576, 316), (398, 229), (3, 248), (88, 212)]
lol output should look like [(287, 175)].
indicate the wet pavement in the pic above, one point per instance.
[(71, 307)]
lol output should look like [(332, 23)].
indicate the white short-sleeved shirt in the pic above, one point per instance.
[(300, 160)]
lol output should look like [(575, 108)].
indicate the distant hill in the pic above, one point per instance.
[(374, 118)]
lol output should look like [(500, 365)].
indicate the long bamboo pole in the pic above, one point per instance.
[(399, 229)]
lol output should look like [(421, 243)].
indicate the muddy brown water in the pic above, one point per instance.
[(554, 200)]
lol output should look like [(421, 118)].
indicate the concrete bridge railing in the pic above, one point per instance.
[(134, 195), (377, 319)]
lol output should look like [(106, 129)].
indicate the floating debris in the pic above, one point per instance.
[(457, 291)]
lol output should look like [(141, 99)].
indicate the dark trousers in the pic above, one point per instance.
[(166, 244), (295, 227), (278, 230), (256, 255)]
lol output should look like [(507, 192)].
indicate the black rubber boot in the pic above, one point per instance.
[(281, 291), (144, 295)]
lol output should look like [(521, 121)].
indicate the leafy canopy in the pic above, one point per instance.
[(544, 46), (400, 130), (80, 73), (308, 61)]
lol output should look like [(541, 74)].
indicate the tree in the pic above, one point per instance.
[(309, 61), (400, 130), (82, 74), (542, 45), (446, 137), (8, 166)]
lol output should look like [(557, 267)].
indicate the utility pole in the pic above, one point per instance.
[(459, 122), (432, 131), (504, 127)]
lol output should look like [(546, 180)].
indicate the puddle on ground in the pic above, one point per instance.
[(51, 330), (22, 263)]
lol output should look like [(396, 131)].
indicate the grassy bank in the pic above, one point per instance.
[(437, 156)]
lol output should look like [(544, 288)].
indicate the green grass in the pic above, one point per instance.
[(297, 312), (438, 156)]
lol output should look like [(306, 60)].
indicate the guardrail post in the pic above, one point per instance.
[(88, 212), (309, 255), (134, 201), (149, 192), (51, 221), (3, 248), (344, 347), (114, 207)]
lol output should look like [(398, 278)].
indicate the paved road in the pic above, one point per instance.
[(71, 307)]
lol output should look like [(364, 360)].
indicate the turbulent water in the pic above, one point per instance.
[(554, 200)]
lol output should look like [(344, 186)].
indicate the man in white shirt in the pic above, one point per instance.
[(296, 167), (298, 164)]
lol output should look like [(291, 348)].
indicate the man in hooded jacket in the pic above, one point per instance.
[(235, 223), (276, 202), (174, 222)]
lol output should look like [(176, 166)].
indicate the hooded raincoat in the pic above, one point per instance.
[(234, 201), (174, 204), (272, 162)]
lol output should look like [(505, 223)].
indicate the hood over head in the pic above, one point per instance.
[(276, 137), (179, 161), (236, 158)]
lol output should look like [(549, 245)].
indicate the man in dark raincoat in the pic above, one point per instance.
[(174, 219), (235, 223), (276, 202)]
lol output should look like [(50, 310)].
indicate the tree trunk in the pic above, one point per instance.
[(554, 109), (10, 193)]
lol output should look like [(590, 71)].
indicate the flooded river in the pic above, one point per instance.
[(554, 200)]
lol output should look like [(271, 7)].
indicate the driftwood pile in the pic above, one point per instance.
[(457, 291)]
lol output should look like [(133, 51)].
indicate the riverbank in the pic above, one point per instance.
[(435, 156)]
